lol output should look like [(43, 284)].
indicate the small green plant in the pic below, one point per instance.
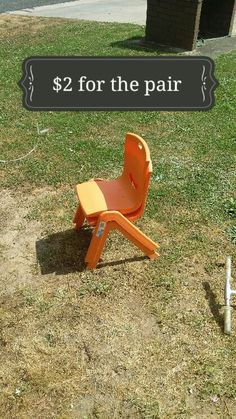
[(50, 338), (232, 234), (146, 409), (94, 288), (43, 305), (230, 207), (29, 300)]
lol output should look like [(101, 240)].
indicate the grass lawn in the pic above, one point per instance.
[(134, 338)]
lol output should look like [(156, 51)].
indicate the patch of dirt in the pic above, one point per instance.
[(18, 238)]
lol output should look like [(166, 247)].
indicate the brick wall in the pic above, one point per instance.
[(173, 22), (216, 18), (176, 23)]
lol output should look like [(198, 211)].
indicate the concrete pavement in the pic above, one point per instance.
[(133, 11)]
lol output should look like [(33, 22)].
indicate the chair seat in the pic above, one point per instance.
[(96, 196)]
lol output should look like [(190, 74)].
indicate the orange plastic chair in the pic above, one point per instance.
[(113, 204)]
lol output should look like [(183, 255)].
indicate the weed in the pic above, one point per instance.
[(230, 207), (232, 234), (50, 338), (94, 288), (29, 300), (146, 409)]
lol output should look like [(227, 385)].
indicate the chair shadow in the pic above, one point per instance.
[(214, 305), (64, 252), (139, 43), (121, 261)]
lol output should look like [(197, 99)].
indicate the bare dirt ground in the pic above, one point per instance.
[(17, 242), (108, 343)]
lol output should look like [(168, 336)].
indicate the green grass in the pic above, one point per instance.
[(193, 153), (106, 315)]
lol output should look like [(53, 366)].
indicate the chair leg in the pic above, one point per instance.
[(109, 220), (139, 239), (97, 244), (119, 222), (79, 218)]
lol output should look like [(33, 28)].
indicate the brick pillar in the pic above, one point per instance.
[(216, 18), (173, 22), (233, 25)]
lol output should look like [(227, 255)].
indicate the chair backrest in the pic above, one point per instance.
[(137, 168)]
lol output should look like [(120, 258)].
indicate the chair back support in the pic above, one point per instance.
[(137, 168)]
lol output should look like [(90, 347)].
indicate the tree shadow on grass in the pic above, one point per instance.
[(64, 252), (139, 43)]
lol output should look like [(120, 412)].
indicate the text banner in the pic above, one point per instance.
[(118, 83)]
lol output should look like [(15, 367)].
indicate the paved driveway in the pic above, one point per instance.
[(132, 11)]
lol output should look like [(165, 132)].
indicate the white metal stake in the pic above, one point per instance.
[(228, 293)]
